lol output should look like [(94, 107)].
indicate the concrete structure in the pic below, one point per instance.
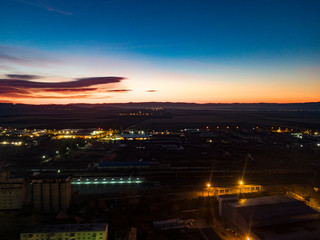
[(271, 218), (98, 231), (51, 193), (13, 193), (217, 191), (224, 199)]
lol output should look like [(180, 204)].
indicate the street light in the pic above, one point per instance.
[(241, 184), (208, 185)]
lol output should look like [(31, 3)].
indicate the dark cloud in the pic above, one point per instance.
[(4, 90), (24, 88), (62, 97), (70, 89), (151, 90), (23, 76), (79, 83), (119, 90), (41, 96)]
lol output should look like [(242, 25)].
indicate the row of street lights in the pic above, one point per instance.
[(241, 183)]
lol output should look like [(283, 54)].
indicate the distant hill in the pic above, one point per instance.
[(9, 108)]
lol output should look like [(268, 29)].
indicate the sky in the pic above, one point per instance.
[(112, 51)]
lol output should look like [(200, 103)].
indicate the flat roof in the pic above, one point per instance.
[(262, 201), (65, 228), (55, 176), (273, 210)]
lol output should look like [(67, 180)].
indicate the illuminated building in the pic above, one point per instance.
[(80, 133), (133, 135), (216, 191), (108, 180)]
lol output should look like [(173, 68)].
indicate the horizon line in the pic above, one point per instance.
[(216, 103)]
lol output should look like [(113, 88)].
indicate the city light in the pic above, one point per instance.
[(208, 185), (241, 182), (107, 181)]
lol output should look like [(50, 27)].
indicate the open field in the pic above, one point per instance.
[(172, 118)]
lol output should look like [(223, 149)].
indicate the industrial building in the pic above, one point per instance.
[(13, 193), (270, 218), (80, 133), (133, 135), (217, 191), (98, 231), (51, 193)]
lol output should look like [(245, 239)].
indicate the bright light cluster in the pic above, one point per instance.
[(88, 181), (11, 143)]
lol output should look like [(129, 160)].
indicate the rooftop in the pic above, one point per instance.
[(262, 201), (265, 211), (58, 176), (66, 228)]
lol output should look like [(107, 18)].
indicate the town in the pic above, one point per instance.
[(202, 177)]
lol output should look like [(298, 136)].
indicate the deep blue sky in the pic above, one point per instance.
[(277, 33)]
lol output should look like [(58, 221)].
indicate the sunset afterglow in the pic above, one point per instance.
[(213, 58)]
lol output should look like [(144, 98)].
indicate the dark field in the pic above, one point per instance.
[(223, 118), (105, 116)]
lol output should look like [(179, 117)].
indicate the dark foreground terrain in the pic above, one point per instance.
[(172, 116)]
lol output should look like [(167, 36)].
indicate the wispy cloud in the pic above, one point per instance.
[(13, 56), (10, 58), (151, 91), (45, 4)]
